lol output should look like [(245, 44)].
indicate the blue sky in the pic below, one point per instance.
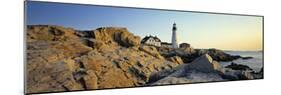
[(201, 30)]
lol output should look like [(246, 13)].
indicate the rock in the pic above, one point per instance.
[(164, 50), (240, 72), (230, 74), (189, 51), (50, 67), (204, 64), (118, 35), (49, 33), (189, 77), (51, 51), (106, 71), (84, 34), (176, 59), (247, 75), (182, 51), (258, 75), (128, 66), (55, 76), (218, 55), (245, 58), (202, 69), (71, 48), (261, 71), (216, 65), (235, 66), (91, 80), (98, 44), (186, 54), (151, 50), (171, 80), (64, 59)]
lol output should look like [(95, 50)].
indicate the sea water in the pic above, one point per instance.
[(256, 63)]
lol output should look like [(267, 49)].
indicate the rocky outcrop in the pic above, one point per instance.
[(63, 59), (204, 64), (258, 75), (49, 33), (50, 66), (245, 58), (119, 35), (202, 69), (166, 51), (240, 72), (131, 67), (176, 59), (189, 77), (218, 55), (235, 66), (230, 74), (151, 50), (205, 69), (188, 54)]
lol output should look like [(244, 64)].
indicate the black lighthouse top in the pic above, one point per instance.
[(174, 26)]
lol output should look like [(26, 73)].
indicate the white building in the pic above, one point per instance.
[(151, 40), (174, 36)]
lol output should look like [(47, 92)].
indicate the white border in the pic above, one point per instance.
[(12, 47)]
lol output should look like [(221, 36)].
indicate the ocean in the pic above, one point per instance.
[(256, 63)]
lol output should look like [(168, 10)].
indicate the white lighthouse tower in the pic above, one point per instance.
[(174, 36)]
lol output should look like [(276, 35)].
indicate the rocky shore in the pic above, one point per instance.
[(65, 59)]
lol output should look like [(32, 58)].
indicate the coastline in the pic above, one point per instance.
[(70, 60), (255, 63)]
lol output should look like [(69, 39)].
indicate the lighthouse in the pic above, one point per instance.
[(174, 36)]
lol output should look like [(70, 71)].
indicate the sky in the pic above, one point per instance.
[(201, 30)]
